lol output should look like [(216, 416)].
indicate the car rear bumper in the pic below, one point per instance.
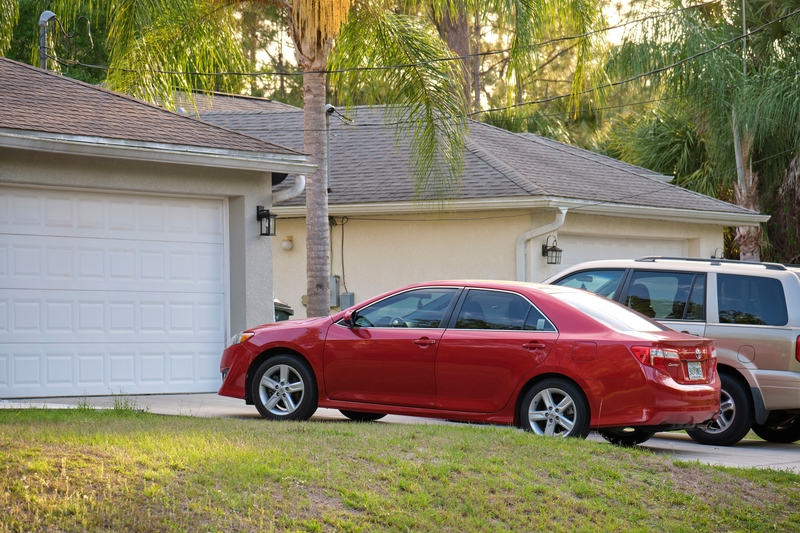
[(659, 403)]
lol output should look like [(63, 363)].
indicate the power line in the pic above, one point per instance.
[(74, 63), (642, 75)]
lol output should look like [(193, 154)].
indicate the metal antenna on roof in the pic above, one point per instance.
[(44, 18)]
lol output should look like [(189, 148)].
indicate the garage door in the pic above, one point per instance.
[(580, 248), (109, 293)]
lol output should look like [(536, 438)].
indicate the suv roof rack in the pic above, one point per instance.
[(713, 261)]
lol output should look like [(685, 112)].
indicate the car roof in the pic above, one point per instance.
[(692, 264)]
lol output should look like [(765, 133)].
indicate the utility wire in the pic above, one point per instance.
[(397, 66), (354, 124), (642, 75)]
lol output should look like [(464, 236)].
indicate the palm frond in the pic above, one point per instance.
[(425, 99), (187, 36), (9, 13)]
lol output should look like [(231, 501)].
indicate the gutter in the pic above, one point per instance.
[(719, 218), (155, 152), (523, 239), (286, 194)]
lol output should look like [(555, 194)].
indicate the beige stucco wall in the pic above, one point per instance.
[(385, 252), (250, 256)]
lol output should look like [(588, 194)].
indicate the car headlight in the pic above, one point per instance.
[(240, 337)]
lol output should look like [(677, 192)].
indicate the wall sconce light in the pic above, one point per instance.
[(267, 221), (552, 253), (721, 254), (288, 243)]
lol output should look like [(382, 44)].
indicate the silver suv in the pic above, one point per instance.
[(752, 310)]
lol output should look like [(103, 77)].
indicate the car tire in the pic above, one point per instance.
[(735, 418), (555, 407), (358, 416), (626, 436), (284, 388), (779, 432)]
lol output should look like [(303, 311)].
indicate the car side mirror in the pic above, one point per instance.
[(350, 317)]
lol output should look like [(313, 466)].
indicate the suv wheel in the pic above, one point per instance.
[(735, 416), (781, 431)]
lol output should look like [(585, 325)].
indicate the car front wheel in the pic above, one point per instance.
[(284, 388), (555, 407), (779, 431), (735, 416)]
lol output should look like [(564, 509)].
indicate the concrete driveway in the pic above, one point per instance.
[(747, 453)]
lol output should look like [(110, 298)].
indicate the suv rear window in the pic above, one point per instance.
[(667, 295), (751, 300)]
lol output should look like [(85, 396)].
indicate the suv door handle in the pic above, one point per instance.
[(424, 341), (534, 345)]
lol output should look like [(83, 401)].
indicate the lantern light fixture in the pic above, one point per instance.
[(552, 252), (267, 221)]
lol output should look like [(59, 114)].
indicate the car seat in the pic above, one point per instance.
[(472, 316), (639, 300), (517, 313)]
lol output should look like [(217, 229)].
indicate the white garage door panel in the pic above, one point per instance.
[(580, 248), (109, 293), (109, 215), (110, 264), (110, 316), (95, 369)]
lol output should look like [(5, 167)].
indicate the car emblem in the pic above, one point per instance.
[(697, 353)]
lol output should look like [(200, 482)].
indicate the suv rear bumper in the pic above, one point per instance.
[(780, 390)]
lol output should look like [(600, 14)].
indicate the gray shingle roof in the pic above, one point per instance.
[(205, 103), (368, 166), (32, 99)]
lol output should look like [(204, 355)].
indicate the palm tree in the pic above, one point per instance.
[(729, 117), (154, 44)]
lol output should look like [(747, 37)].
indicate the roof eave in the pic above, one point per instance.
[(541, 203), (154, 152)]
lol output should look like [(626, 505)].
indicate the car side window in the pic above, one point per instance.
[(602, 282), (418, 308), (500, 310), (751, 300), (663, 295)]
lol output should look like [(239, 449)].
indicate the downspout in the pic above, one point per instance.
[(523, 239), (298, 187)]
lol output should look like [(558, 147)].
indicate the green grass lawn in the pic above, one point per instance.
[(121, 470)]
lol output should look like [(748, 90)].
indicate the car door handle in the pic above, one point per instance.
[(424, 342), (534, 345)]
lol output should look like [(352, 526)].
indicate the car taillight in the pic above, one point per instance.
[(797, 349), (655, 357)]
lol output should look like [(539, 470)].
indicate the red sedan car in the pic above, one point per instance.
[(549, 359)]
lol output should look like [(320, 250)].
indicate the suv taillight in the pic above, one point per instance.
[(797, 349), (654, 356)]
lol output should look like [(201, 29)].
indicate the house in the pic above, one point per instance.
[(129, 244), (518, 193)]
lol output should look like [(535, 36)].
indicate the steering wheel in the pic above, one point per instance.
[(398, 322), (364, 323)]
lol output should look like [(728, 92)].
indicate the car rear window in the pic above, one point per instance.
[(751, 300), (608, 312)]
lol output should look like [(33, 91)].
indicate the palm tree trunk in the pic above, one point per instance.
[(317, 238), (746, 188), (455, 30)]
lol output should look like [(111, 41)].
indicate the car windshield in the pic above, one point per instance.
[(608, 312)]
